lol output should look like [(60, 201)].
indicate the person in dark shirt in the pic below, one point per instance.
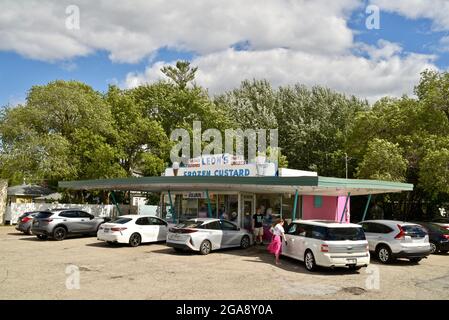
[(257, 226)]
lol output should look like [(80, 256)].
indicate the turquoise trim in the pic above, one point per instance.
[(366, 207), (295, 204), (317, 201), (115, 203)]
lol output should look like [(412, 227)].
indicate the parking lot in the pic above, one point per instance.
[(34, 269)]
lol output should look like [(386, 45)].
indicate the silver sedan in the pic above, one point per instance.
[(207, 234)]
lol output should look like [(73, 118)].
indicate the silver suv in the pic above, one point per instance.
[(59, 223)]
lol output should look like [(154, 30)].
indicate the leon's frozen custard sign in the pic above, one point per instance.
[(224, 165)]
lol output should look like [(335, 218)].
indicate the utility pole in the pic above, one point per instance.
[(346, 164)]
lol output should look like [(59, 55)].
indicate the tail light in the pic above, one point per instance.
[(324, 248), (26, 219), (118, 229), (401, 234), (446, 236), (176, 230)]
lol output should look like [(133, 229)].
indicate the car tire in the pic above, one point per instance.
[(205, 247), (383, 254), (59, 233), (135, 240), (415, 260), (309, 261), (433, 248), (245, 242), (42, 237)]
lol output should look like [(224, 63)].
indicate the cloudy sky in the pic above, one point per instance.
[(285, 41)]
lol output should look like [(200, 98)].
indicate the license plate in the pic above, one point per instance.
[(351, 261)]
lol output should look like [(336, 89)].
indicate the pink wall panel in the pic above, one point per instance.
[(331, 208)]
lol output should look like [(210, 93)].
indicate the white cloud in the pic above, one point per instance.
[(385, 72), (131, 30), (436, 10), (306, 41)]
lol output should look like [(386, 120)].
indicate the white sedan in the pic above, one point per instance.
[(134, 230), (207, 234)]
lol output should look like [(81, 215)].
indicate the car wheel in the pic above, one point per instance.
[(245, 242), (42, 237), (415, 260), (384, 254), (205, 247), (309, 261), (59, 233), (135, 240), (433, 247)]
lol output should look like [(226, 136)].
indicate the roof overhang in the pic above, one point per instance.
[(307, 185)]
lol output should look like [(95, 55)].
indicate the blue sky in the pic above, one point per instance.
[(35, 52)]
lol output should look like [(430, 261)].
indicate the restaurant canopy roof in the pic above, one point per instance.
[(307, 185)]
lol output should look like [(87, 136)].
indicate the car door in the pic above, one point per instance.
[(158, 229), (214, 233), (371, 234), (71, 220), (231, 234), (86, 222), (295, 236), (145, 229)]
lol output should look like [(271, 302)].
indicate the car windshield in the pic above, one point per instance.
[(437, 228), (121, 220), (345, 234), (189, 224), (414, 230), (43, 215)]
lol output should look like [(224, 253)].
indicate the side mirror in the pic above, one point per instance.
[(91, 217)]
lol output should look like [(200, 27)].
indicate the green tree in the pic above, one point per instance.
[(181, 74), (383, 160), (434, 173), (143, 144)]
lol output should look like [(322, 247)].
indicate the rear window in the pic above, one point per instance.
[(336, 234), (414, 230), (43, 215), (190, 224), (121, 220)]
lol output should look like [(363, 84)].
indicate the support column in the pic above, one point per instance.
[(172, 208), (366, 207), (115, 203), (295, 205), (209, 207), (344, 209)]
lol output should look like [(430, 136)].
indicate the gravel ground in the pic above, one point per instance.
[(34, 269)]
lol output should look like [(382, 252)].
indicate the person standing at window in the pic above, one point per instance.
[(275, 245), (257, 226)]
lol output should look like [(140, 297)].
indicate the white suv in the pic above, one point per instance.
[(396, 239), (327, 244)]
